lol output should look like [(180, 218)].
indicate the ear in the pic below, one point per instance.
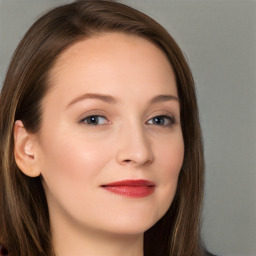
[(25, 150)]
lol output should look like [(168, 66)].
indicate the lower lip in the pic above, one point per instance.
[(130, 191)]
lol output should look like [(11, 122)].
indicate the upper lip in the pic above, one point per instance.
[(131, 183)]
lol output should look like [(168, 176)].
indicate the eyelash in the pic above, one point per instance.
[(170, 119)]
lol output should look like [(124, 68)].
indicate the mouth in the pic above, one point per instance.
[(131, 188)]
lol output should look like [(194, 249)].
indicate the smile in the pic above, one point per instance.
[(131, 188)]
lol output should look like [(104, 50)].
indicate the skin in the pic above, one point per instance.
[(75, 157)]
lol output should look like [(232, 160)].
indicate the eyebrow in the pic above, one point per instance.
[(110, 99), (163, 98), (97, 96)]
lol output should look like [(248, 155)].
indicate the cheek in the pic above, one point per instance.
[(70, 165), (171, 155), (170, 159)]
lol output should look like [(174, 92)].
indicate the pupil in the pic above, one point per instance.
[(93, 120), (159, 120)]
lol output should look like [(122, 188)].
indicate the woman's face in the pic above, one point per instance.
[(112, 115)]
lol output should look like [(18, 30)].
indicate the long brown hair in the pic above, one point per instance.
[(24, 220)]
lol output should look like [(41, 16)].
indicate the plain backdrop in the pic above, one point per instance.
[(219, 39)]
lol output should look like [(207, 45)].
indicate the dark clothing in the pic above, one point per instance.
[(3, 251), (209, 254)]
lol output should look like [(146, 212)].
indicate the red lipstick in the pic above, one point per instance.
[(131, 188)]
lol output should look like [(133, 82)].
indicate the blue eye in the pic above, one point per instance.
[(94, 120), (162, 120)]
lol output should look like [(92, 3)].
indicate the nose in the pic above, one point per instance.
[(134, 148)]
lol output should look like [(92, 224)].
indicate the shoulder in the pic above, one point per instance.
[(3, 251)]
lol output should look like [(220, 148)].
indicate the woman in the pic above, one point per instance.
[(101, 149)]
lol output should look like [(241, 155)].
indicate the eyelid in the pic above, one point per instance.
[(171, 118), (103, 114), (93, 112), (98, 116), (164, 113)]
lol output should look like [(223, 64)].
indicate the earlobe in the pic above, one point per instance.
[(25, 150)]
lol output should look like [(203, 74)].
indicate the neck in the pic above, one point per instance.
[(71, 240)]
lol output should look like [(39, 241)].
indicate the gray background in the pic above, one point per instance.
[(219, 40)]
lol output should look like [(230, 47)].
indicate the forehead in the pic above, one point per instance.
[(113, 59)]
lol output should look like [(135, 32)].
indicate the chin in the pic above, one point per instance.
[(132, 224)]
